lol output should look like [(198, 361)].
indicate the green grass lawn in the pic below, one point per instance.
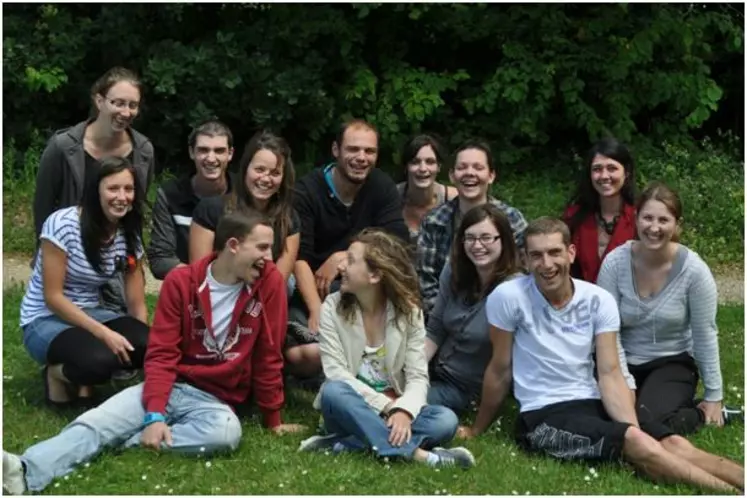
[(269, 465)]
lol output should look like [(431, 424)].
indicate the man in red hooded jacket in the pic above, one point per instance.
[(217, 336)]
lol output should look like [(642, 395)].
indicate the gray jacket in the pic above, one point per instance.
[(59, 184), (62, 170)]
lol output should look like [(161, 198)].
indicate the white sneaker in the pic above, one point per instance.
[(14, 482), (318, 442)]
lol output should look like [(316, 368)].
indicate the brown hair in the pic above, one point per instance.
[(211, 128), (547, 225), (464, 277), (354, 123), (386, 254), (108, 80), (237, 226), (660, 191), (280, 208)]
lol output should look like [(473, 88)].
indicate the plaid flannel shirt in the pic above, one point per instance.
[(436, 235)]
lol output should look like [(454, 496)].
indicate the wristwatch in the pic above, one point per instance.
[(153, 417)]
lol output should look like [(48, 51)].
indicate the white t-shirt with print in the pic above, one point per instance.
[(223, 300), (552, 352), (373, 369)]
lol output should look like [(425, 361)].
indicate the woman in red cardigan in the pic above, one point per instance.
[(601, 214)]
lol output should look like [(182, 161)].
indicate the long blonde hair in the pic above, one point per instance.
[(387, 255)]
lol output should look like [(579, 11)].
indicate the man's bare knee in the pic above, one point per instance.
[(640, 448), (678, 445)]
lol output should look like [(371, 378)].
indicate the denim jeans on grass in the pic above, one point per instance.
[(199, 423), (447, 394), (358, 426)]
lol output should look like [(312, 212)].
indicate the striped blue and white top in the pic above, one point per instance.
[(82, 283)]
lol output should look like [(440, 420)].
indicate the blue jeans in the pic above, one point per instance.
[(199, 423), (444, 393), (358, 426), (40, 332)]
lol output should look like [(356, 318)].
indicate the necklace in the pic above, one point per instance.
[(609, 226)]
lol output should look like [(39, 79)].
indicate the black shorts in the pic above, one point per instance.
[(572, 430)]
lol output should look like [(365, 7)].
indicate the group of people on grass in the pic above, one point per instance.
[(408, 303)]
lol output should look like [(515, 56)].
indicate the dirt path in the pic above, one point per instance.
[(730, 282), (16, 270)]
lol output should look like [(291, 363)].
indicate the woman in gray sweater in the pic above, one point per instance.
[(668, 300), (457, 345)]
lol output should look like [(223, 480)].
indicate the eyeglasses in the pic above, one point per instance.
[(121, 104), (485, 239)]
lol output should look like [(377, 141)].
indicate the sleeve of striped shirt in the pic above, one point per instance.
[(59, 230), (702, 303)]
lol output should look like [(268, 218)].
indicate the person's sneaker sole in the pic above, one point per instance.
[(13, 478), (318, 442), (732, 415)]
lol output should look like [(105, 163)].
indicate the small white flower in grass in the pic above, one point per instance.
[(534, 468), (208, 464), (443, 491), (739, 395), (158, 486), (281, 485), (587, 478), (513, 454), (514, 492), (304, 472), (592, 470), (171, 491), (656, 487), (437, 492), (144, 477), (57, 485), (202, 449), (86, 465), (264, 460), (374, 448), (387, 467), (527, 493), (437, 469), (386, 459), (36, 437)]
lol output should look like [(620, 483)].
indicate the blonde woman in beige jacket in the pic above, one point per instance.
[(372, 342)]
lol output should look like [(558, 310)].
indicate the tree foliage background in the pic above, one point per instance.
[(536, 80)]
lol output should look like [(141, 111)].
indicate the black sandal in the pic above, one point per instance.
[(59, 405)]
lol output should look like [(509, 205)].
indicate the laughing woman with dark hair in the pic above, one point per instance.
[(458, 346), (601, 214), (65, 327)]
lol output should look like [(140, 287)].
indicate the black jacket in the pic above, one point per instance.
[(172, 214)]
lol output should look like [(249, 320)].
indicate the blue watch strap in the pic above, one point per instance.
[(152, 417)]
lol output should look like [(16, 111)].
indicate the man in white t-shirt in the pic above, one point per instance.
[(545, 329)]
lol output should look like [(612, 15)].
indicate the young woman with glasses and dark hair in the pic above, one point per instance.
[(72, 156), (458, 346)]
